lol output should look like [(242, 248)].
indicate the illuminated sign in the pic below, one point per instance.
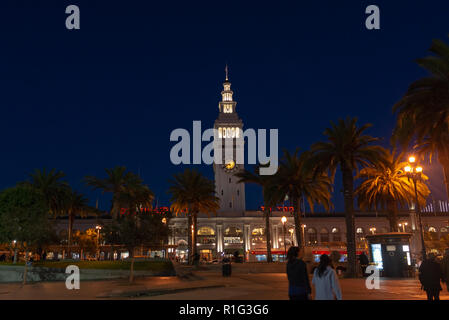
[(233, 240), (279, 208), (377, 255)]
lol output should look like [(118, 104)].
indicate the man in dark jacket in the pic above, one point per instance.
[(430, 275), (364, 262), (298, 279)]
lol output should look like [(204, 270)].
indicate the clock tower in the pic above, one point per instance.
[(230, 129)]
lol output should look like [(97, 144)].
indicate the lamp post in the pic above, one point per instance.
[(414, 171), (373, 230), (164, 221), (303, 235), (284, 220), (193, 245)]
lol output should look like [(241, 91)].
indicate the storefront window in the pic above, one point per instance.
[(233, 235), (258, 237), (206, 235)]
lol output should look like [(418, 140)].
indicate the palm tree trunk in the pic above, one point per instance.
[(115, 210), (297, 217), (189, 238), (26, 268), (392, 215), (69, 233), (268, 234), (444, 161), (131, 269), (348, 192), (195, 233)]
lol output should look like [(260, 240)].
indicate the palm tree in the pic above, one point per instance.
[(50, 185), (73, 203), (136, 196), (266, 182), (297, 181), (192, 192), (346, 147), (386, 185), (116, 182), (423, 112)]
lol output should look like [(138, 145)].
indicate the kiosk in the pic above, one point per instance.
[(390, 252)]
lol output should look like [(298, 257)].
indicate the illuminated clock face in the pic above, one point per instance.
[(229, 165)]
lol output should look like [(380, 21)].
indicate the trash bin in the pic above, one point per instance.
[(226, 269)]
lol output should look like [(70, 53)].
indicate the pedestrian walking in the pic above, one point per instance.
[(445, 268), (430, 274), (325, 280), (298, 279)]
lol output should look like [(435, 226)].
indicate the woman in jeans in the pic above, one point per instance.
[(298, 279)]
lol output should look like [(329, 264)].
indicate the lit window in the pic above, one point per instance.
[(432, 229), (237, 132), (220, 132), (233, 132), (359, 230)]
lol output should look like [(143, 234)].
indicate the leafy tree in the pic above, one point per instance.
[(346, 147), (296, 180), (385, 185), (193, 193), (24, 219), (423, 112), (139, 229), (86, 241)]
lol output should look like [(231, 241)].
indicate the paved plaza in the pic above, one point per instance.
[(206, 285)]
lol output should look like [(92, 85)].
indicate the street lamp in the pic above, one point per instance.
[(373, 230), (284, 220), (403, 226), (414, 171)]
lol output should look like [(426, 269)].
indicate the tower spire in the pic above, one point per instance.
[(226, 70)]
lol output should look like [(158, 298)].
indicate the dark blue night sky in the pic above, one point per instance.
[(111, 93)]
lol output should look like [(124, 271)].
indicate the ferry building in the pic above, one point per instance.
[(234, 229)]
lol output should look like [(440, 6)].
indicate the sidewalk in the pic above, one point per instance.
[(207, 285)]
